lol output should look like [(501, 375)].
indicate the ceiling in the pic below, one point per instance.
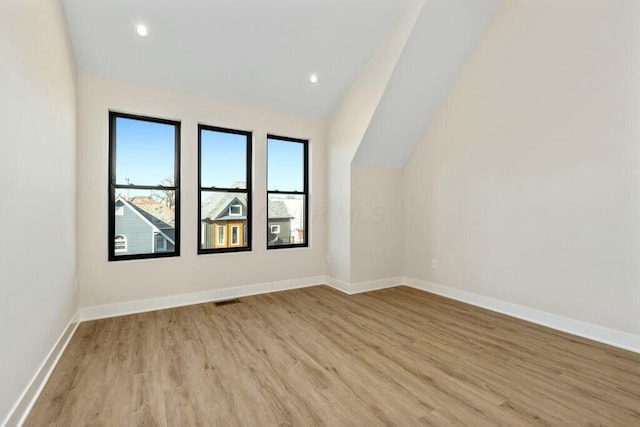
[(253, 52), (443, 37)]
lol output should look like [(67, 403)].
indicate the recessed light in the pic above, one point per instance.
[(142, 30), (313, 78)]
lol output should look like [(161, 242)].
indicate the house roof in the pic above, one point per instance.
[(277, 209), (167, 230), (158, 210), (215, 207), (238, 184)]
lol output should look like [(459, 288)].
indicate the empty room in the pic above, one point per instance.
[(320, 212)]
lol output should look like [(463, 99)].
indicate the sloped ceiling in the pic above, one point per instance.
[(443, 37), (253, 52), (260, 53)]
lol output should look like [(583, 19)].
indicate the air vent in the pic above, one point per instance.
[(227, 302)]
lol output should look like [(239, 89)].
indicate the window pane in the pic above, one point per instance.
[(221, 235), (235, 234), (120, 243), (145, 152), (223, 220), (224, 159), (146, 224), (285, 165), (285, 219)]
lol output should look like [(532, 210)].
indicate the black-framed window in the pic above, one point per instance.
[(144, 187), (287, 192), (224, 193)]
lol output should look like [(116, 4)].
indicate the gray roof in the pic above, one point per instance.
[(277, 209), (152, 219), (216, 205), (166, 229), (162, 214)]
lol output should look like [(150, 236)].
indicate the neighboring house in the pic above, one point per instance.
[(143, 226), (223, 221), (279, 223), (295, 206)]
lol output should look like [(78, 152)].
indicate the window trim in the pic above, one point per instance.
[(231, 210), (222, 228), (234, 227), (272, 226), (113, 186), (304, 192), (165, 243), (247, 190)]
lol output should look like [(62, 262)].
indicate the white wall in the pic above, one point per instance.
[(376, 223), (37, 171), (526, 187), (443, 36), (103, 282), (347, 126)]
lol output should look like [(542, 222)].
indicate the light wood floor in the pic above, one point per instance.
[(317, 357)]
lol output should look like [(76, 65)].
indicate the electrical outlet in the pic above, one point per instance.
[(434, 264)]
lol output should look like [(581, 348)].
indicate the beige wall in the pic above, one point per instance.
[(526, 187), (346, 128), (376, 223), (103, 282), (37, 171)]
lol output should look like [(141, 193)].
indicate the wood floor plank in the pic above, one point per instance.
[(315, 356)]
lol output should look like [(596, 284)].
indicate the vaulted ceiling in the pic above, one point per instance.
[(443, 37), (261, 53), (253, 52)]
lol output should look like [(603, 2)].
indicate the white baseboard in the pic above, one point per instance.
[(20, 410), (359, 287), (590, 331), (337, 284), (160, 303)]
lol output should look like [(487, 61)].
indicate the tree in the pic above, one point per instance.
[(168, 196)]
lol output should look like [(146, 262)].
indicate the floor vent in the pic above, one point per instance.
[(227, 302)]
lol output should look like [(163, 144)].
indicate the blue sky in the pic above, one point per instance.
[(145, 155), (286, 163), (144, 151), (224, 158)]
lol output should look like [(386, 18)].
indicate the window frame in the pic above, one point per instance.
[(165, 243), (235, 227), (113, 186), (247, 190), (304, 192), (222, 228), (231, 210)]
